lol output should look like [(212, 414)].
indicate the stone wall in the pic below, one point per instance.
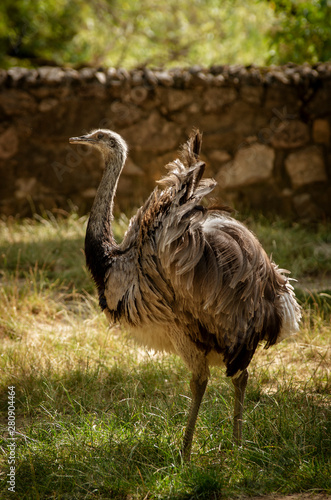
[(266, 134)]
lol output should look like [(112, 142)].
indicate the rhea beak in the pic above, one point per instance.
[(83, 139)]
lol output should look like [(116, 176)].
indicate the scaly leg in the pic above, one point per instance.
[(198, 390), (239, 395)]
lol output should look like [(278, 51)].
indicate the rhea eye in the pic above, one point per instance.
[(112, 142), (100, 136)]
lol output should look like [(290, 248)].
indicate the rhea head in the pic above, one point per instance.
[(109, 143)]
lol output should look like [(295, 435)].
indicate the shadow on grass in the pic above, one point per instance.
[(99, 433)]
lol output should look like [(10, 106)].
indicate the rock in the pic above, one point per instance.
[(150, 77), (251, 165), (251, 94), (216, 98), (111, 73), (93, 90), (137, 78), (51, 75), (306, 166), (123, 114), (47, 104), (305, 207), (320, 101), (131, 168), (288, 98), (71, 75), (289, 134), (125, 185), (31, 78), (281, 77), (153, 134), (89, 193), (138, 94), (218, 80), (321, 131), (164, 78), (287, 192), (123, 74), (211, 141), (8, 143), (87, 73), (194, 107), (101, 77), (177, 99), (25, 187), (195, 69), (17, 102), (202, 78), (17, 74), (219, 156)]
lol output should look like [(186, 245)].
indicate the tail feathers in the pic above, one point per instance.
[(193, 178), (291, 313), (187, 171), (191, 150)]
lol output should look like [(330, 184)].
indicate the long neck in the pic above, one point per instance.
[(99, 240)]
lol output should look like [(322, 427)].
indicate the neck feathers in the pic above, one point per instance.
[(100, 244)]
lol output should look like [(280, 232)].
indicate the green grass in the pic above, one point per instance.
[(99, 418), (303, 249)]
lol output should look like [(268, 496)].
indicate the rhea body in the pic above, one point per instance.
[(186, 279)]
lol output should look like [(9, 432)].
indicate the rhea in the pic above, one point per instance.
[(187, 278)]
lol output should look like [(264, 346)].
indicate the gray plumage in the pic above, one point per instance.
[(186, 279)]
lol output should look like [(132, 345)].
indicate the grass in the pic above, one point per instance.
[(99, 418)]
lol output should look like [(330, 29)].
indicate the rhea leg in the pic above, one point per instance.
[(240, 384), (198, 389)]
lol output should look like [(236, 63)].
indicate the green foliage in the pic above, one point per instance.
[(183, 32), (130, 33), (39, 31), (301, 31)]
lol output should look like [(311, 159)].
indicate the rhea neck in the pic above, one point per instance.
[(100, 243)]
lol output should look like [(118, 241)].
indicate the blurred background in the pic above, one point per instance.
[(182, 32), (252, 75)]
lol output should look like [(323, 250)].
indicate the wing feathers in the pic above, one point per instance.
[(200, 270)]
